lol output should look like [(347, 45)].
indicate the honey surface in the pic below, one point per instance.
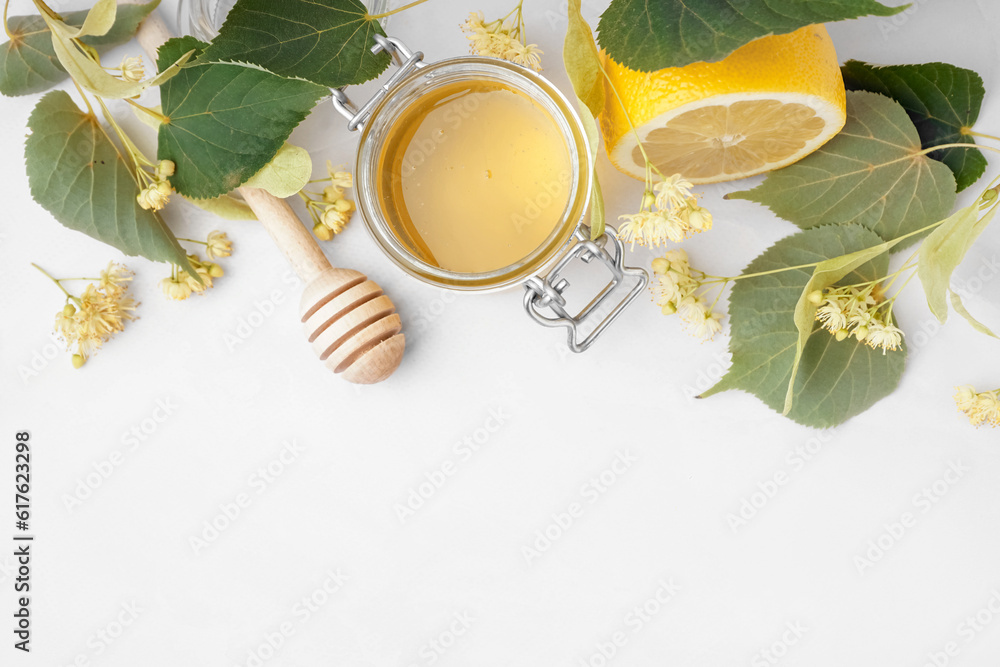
[(475, 177)]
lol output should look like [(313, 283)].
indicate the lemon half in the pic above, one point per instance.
[(768, 104)]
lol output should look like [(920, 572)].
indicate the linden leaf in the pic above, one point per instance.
[(826, 273), (324, 41), (836, 379), (28, 63), (956, 303), (944, 250), (77, 175), (227, 121), (286, 174), (90, 75), (100, 19), (649, 36), (584, 68), (871, 173), (943, 102), (582, 61), (226, 207)]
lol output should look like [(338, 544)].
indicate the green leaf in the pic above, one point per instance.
[(226, 207), (582, 61), (77, 175), (826, 273), (227, 121), (871, 174), (649, 36), (956, 303), (324, 41), (835, 380), (944, 250), (943, 102), (286, 174), (28, 63)]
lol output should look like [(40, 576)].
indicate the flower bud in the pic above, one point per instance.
[(700, 219), (343, 205), (661, 265), (669, 308), (648, 199), (842, 334), (69, 310), (215, 271), (218, 245), (816, 297), (322, 232), (861, 333), (165, 169), (79, 360)]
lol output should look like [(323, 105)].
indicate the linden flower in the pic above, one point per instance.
[(132, 69), (526, 55), (165, 169), (885, 336), (852, 311), (218, 245), (676, 291), (500, 39), (100, 313), (176, 287), (980, 407), (335, 220), (331, 211), (113, 278), (676, 216), (673, 192), (339, 179), (156, 196)]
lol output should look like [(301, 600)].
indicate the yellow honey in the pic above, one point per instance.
[(474, 177)]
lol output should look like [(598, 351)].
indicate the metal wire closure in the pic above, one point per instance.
[(406, 60), (546, 292)]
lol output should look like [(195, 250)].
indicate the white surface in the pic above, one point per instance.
[(565, 420)]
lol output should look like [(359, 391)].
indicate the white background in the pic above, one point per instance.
[(565, 420)]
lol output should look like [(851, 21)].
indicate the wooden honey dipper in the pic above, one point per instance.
[(352, 325)]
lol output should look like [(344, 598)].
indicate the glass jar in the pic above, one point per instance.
[(381, 153)]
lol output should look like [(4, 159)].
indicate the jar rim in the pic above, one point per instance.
[(425, 80)]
